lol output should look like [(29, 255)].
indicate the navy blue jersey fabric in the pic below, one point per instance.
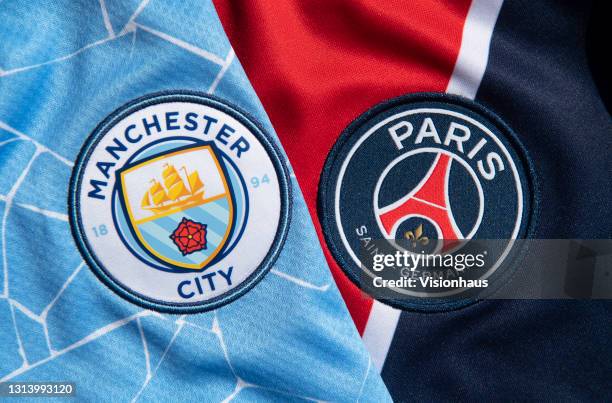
[(597, 46), (538, 80)]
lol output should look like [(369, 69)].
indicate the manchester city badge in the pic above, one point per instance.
[(162, 204)]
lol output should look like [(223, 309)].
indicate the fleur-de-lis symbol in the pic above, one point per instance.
[(417, 236)]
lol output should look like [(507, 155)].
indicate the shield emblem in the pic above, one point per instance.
[(179, 205)]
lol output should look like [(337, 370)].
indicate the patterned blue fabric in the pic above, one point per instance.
[(64, 66)]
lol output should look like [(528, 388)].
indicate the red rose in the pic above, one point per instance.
[(189, 236)]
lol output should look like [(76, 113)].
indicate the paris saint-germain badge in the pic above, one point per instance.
[(425, 169)]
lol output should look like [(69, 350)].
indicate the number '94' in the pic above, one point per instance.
[(256, 181)]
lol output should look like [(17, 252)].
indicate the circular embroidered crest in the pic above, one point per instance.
[(425, 170), (179, 202)]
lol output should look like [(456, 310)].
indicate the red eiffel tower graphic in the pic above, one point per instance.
[(427, 200)]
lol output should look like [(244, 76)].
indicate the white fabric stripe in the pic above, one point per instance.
[(468, 72), (474, 52), (379, 332), (107, 22)]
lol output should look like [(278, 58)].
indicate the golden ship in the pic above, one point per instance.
[(175, 193)]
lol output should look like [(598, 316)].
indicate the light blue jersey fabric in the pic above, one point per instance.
[(64, 66)]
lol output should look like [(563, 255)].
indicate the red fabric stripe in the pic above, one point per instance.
[(317, 65)]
